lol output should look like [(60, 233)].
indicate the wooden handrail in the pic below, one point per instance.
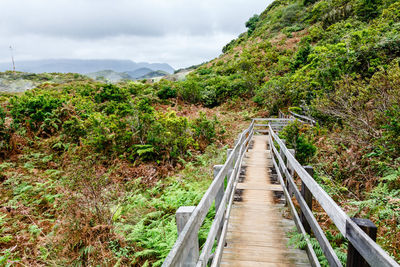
[(368, 249), (182, 252), (302, 117)]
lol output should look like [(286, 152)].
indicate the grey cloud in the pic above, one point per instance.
[(180, 32)]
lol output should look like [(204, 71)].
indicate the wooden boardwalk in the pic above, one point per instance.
[(256, 230), (248, 226)]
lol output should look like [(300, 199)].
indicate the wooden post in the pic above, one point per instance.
[(281, 151), (290, 168), (192, 251), (354, 259), (220, 193), (291, 171), (308, 197), (228, 153)]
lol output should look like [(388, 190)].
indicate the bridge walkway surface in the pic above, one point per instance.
[(257, 230)]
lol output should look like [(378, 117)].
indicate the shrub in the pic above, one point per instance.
[(4, 134), (74, 129), (367, 9), (291, 14), (37, 109), (204, 130), (252, 23), (166, 92), (109, 92), (190, 91), (302, 54), (108, 134), (391, 135), (296, 138), (170, 136)]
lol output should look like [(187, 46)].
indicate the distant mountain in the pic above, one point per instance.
[(109, 75), (158, 73), (84, 66), (139, 72)]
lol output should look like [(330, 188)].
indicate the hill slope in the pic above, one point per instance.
[(92, 173), (337, 61)]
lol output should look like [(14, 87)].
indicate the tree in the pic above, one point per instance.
[(251, 23)]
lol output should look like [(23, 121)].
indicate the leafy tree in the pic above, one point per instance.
[(252, 23), (367, 9)]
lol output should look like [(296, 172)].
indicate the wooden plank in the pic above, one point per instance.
[(221, 243), (308, 119), (255, 230), (182, 216), (308, 198), (272, 119)]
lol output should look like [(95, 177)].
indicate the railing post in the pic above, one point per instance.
[(228, 152), (307, 195), (281, 151), (220, 193), (354, 259), (291, 170), (219, 196), (192, 251)]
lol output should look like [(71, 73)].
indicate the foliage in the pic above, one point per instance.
[(4, 134), (294, 135), (86, 152), (40, 110), (251, 24), (205, 130), (300, 241)]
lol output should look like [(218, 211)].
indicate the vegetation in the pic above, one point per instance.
[(87, 166), (93, 173)]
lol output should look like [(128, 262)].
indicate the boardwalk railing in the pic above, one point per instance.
[(293, 115), (189, 219), (185, 251), (287, 167)]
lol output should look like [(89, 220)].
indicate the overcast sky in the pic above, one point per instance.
[(178, 32)]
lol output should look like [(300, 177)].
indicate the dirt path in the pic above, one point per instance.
[(256, 232)]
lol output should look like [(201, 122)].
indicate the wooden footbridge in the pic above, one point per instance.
[(248, 228)]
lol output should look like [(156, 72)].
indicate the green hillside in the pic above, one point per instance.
[(92, 173)]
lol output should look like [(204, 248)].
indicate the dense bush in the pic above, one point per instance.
[(295, 138), (251, 23), (204, 130), (4, 134), (39, 110), (166, 92), (110, 92), (391, 135)]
